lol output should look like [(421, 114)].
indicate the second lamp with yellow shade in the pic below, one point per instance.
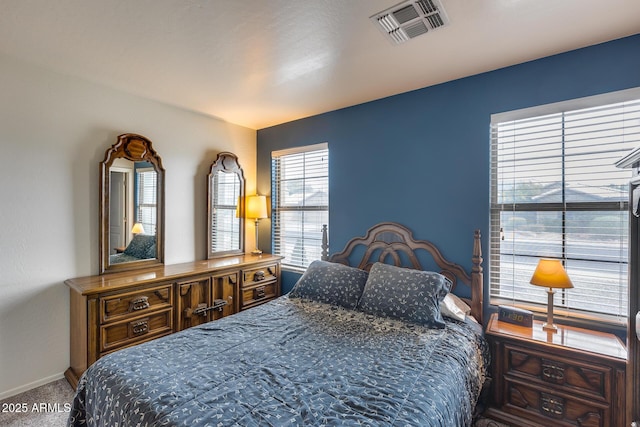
[(550, 274), (137, 228), (256, 209)]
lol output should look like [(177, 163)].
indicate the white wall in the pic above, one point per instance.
[(54, 131)]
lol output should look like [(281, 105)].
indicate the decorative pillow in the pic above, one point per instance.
[(151, 252), (331, 283), (139, 245), (405, 294), (453, 307)]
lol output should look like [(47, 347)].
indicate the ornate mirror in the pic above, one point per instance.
[(132, 205), (225, 207)]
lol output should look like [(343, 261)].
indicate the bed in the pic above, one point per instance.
[(349, 345), (141, 247)]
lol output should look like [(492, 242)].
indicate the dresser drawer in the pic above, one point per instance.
[(553, 409), (590, 380), (259, 293), (258, 275), (135, 330), (134, 303)]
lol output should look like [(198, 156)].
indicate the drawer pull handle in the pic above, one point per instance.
[(552, 371), (139, 304), (202, 309), (551, 405), (258, 276), (140, 327), (259, 293)]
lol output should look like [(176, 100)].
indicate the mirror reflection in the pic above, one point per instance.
[(132, 208), (225, 208)]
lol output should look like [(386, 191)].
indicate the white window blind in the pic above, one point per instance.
[(225, 227), (300, 199), (556, 193), (147, 182)]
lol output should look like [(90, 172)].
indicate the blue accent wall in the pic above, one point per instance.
[(422, 158)]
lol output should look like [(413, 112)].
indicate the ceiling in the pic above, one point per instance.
[(258, 63)]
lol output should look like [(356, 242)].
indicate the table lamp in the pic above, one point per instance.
[(550, 274), (256, 209), (137, 228)]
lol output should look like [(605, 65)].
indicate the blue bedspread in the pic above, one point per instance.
[(290, 363)]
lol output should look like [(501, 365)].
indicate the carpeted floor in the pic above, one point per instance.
[(48, 406), (45, 406)]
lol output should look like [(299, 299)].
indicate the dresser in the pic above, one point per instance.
[(575, 377), (113, 311)]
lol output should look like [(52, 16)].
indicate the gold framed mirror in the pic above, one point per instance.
[(131, 205), (225, 207)]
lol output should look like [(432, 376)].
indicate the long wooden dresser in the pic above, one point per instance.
[(114, 311)]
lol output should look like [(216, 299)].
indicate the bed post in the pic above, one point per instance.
[(477, 282), (325, 243)]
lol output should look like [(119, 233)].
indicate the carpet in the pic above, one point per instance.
[(44, 406)]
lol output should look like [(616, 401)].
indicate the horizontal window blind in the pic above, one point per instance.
[(147, 180), (556, 193), (300, 201), (225, 226)]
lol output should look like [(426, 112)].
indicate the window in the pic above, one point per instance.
[(225, 226), (146, 193), (556, 193), (300, 200)]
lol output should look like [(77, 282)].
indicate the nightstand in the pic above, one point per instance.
[(575, 377)]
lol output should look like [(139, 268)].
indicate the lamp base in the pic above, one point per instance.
[(256, 251), (548, 325)]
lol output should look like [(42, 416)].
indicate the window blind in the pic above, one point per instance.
[(556, 193), (225, 227), (300, 203), (147, 180)]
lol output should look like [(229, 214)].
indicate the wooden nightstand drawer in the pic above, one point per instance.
[(590, 380), (129, 304), (551, 408), (258, 275), (130, 331)]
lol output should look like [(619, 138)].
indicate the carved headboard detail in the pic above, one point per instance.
[(392, 243)]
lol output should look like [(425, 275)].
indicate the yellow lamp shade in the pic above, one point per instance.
[(256, 207), (551, 274), (137, 228)]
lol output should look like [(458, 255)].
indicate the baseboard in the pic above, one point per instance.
[(27, 387)]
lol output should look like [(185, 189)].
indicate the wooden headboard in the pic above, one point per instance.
[(393, 243)]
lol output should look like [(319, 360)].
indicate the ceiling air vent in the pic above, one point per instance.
[(410, 19)]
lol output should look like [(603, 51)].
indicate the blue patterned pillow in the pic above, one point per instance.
[(139, 245), (331, 283), (405, 294), (151, 252)]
